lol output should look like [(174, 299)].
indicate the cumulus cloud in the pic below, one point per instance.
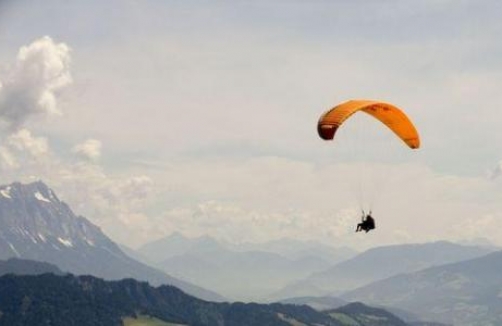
[(234, 222), (229, 221), (31, 86), (7, 159), (115, 203), (23, 151), (126, 192), (89, 150), (23, 140), (28, 88)]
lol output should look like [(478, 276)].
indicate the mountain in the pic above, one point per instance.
[(300, 288), (176, 245), (318, 303), (245, 271), (298, 249), (27, 267), (479, 242), (85, 300), (36, 225), (136, 255), (462, 293), (379, 263), (358, 314), (241, 276), (331, 304)]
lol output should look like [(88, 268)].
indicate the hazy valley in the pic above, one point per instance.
[(462, 279)]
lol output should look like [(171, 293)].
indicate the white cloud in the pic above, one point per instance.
[(115, 203), (127, 191), (23, 140), (22, 153), (90, 149), (265, 198), (7, 159), (31, 86)]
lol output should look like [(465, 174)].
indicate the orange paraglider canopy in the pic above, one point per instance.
[(388, 114)]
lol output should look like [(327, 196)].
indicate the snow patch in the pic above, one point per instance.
[(41, 236), (65, 242), (6, 193), (41, 197), (90, 242), (14, 249)]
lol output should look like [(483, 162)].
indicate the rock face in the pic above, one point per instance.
[(35, 224)]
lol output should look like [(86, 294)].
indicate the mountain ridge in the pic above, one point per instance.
[(90, 301), (36, 225), (380, 263), (27, 267), (462, 293)]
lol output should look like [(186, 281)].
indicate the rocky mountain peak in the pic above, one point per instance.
[(38, 190), (32, 213)]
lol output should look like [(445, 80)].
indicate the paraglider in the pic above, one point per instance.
[(389, 115), (367, 223)]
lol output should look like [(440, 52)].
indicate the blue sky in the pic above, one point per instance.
[(189, 98)]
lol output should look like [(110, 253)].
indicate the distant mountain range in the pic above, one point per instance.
[(240, 271), (287, 268), (462, 293), (240, 275), (88, 301), (300, 250), (377, 264), (36, 225), (177, 245)]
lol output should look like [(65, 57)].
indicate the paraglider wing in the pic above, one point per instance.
[(391, 116)]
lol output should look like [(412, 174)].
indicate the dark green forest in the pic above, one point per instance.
[(70, 300)]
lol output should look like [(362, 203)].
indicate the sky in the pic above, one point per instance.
[(150, 117)]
